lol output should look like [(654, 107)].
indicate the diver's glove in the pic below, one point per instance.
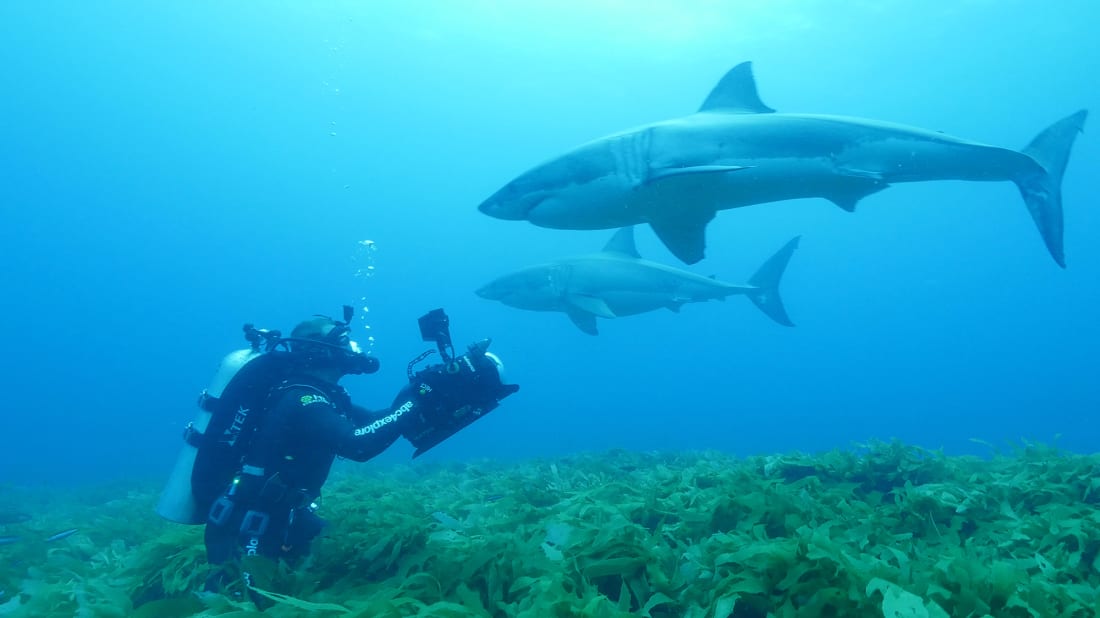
[(442, 399)]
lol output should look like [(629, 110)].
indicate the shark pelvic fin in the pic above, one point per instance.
[(584, 321), (684, 233), (623, 242), (590, 304), (736, 94), (848, 195)]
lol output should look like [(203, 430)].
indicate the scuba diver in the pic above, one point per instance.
[(275, 418)]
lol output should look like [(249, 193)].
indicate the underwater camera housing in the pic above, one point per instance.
[(445, 398)]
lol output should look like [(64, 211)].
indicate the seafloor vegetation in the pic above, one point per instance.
[(882, 530)]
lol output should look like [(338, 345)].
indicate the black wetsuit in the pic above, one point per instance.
[(267, 509)]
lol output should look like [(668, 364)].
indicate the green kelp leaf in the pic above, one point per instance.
[(654, 601), (1015, 601), (899, 603), (939, 591), (793, 576), (1084, 595), (935, 610), (470, 599), (494, 584), (1045, 567), (902, 559), (412, 560), (371, 553), (421, 585), (300, 603), (1003, 577), (723, 607), (178, 607), (625, 596), (552, 553), (599, 606), (639, 585), (445, 609), (395, 552), (1094, 485), (761, 554), (829, 601), (522, 583), (743, 586), (11, 606), (478, 562), (612, 566)]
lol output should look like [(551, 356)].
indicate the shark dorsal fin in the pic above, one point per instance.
[(736, 94), (623, 242)]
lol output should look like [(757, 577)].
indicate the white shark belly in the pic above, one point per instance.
[(633, 302)]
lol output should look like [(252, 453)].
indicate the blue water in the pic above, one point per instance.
[(173, 170)]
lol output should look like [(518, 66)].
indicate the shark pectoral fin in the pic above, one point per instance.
[(854, 188), (675, 306), (590, 304), (658, 175), (684, 233), (584, 321)]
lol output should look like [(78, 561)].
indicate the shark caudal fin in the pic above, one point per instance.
[(1042, 191), (766, 281)]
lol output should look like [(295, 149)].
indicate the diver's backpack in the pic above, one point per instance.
[(231, 411)]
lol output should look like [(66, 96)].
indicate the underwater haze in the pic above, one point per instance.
[(173, 170)]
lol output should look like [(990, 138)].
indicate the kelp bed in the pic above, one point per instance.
[(881, 530)]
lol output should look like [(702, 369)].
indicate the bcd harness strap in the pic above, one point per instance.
[(213, 405)]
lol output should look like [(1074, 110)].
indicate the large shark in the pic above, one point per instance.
[(617, 282), (736, 151)]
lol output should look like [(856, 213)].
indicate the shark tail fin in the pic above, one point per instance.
[(766, 283), (1042, 191)]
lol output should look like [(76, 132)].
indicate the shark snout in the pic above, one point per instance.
[(489, 292), (500, 207)]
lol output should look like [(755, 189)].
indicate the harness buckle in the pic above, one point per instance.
[(255, 523), (221, 511)]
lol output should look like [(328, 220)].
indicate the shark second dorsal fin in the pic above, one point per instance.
[(623, 242), (736, 94)]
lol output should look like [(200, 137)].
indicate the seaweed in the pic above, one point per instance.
[(881, 529)]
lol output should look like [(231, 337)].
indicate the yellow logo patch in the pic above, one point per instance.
[(311, 399)]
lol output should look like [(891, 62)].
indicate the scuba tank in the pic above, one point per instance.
[(215, 441)]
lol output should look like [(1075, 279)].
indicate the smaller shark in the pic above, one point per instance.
[(617, 282)]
